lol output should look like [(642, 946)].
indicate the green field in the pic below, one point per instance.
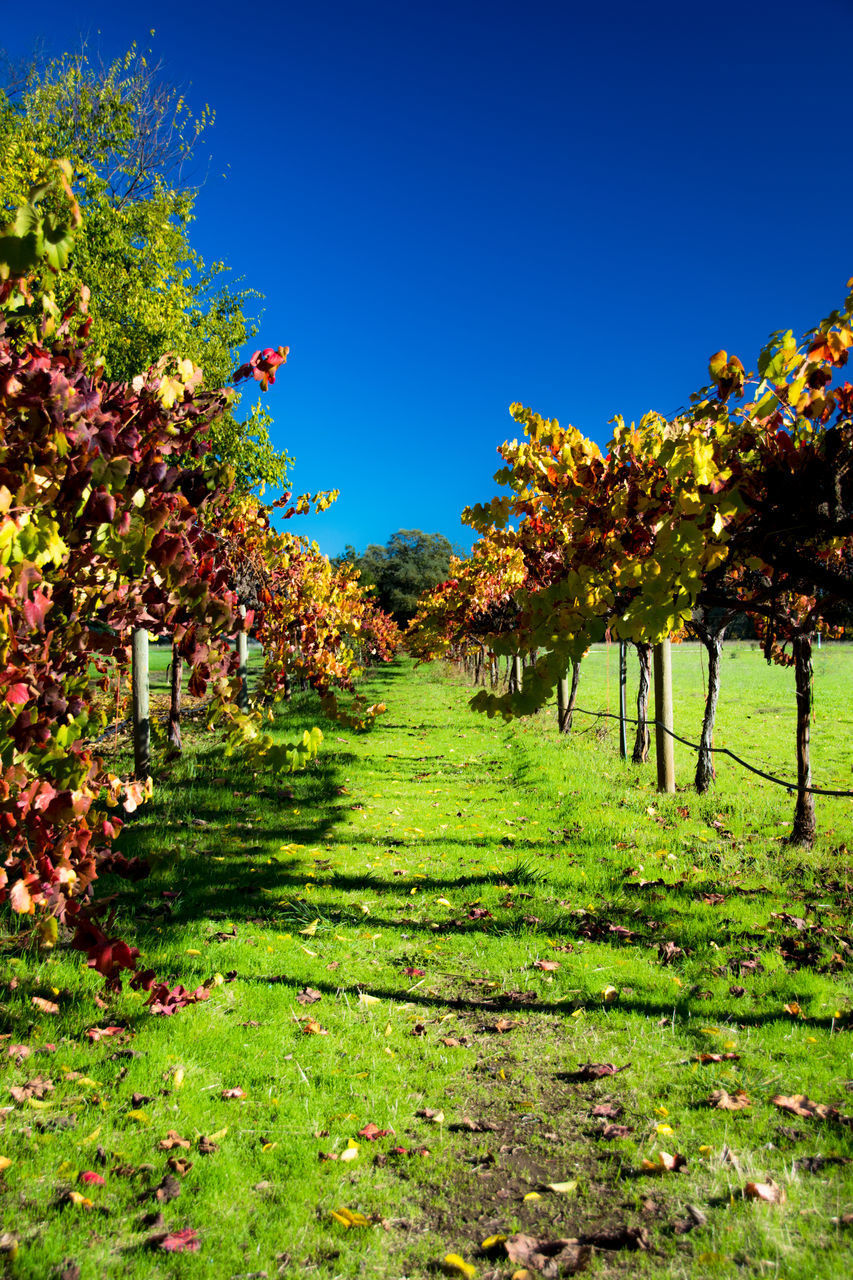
[(435, 931)]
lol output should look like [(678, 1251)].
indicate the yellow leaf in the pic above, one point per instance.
[(365, 999), (610, 993), (192, 952), (178, 1078), (351, 1153), (491, 1241), (310, 929), (350, 1218), (269, 1146), (81, 1201), (533, 1195), (92, 1136), (220, 1133), (141, 1117), (456, 1265), (563, 1188), (5, 1162)]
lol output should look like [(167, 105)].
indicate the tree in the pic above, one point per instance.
[(130, 139), (410, 563)]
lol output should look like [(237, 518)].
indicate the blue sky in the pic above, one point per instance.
[(453, 206)]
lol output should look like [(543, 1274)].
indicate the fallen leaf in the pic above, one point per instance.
[(173, 1139), (371, 1132), (665, 1163), (351, 1153), (455, 1265), (78, 1200), (366, 1000), (561, 1188), (728, 1101), (185, 1241), (414, 973), (308, 995), (140, 1117), (349, 1218), (179, 1166), (46, 1006), (607, 1110), (473, 1126), (237, 1092), (91, 1179), (770, 1192), (500, 1027), (312, 1028), (548, 966), (169, 1189), (427, 1113), (597, 1070), (611, 1131), (5, 1163), (705, 1058), (206, 1147), (800, 1105), (36, 1088), (553, 1258), (99, 1033), (18, 1052), (310, 929)]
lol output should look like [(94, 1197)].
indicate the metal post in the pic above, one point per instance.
[(664, 752), (623, 689), (517, 672), (141, 718)]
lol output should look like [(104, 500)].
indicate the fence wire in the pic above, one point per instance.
[(721, 751)]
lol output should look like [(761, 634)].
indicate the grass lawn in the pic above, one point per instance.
[(469, 981)]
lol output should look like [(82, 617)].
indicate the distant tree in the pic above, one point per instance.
[(410, 563)]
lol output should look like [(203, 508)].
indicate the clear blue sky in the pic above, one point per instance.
[(456, 205)]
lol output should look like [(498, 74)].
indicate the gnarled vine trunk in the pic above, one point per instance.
[(567, 697), (705, 772), (805, 823), (177, 673), (642, 741)]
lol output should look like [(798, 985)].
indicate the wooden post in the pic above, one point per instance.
[(664, 752), (243, 666), (141, 716), (623, 689), (517, 671)]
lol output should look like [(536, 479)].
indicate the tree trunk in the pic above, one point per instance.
[(805, 824), (642, 741), (175, 701), (562, 702), (705, 772)]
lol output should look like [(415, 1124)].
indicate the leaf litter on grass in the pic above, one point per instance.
[(535, 1125)]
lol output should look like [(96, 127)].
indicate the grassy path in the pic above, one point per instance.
[(450, 931)]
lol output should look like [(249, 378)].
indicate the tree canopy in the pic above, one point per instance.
[(410, 563), (130, 139)]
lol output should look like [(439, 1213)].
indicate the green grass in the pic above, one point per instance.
[(382, 857)]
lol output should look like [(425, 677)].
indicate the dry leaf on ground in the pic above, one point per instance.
[(770, 1192), (728, 1101), (553, 1258)]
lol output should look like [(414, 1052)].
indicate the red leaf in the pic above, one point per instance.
[(185, 1241)]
